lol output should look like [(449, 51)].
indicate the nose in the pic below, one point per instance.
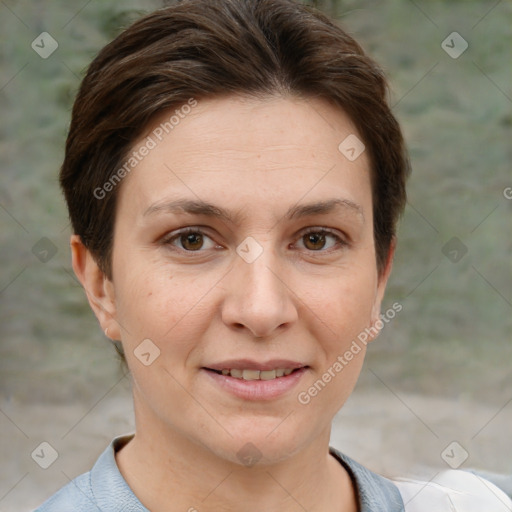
[(258, 298)]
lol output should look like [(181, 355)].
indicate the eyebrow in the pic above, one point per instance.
[(198, 207)]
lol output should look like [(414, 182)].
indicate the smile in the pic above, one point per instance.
[(254, 384), (249, 374)]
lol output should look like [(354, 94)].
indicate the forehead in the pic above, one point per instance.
[(236, 149)]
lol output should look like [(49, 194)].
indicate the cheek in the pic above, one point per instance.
[(344, 302), (162, 304)]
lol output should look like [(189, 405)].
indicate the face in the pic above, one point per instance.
[(244, 242)]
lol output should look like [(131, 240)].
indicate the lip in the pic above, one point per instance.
[(251, 364), (257, 390)]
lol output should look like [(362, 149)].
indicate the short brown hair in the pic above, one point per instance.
[(208, 48)]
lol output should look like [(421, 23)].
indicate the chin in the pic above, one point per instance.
[(261, 443)]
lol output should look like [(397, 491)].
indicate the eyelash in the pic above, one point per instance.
[(167, 240)]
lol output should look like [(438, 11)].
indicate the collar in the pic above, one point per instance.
[(375, 493), (111, 492)]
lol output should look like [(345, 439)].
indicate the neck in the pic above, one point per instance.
[(169, 472)]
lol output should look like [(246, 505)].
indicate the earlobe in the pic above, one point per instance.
[(98, 288)]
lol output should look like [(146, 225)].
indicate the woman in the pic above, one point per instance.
[(234, 177)]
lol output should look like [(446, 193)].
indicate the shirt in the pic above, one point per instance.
[(103, 489)]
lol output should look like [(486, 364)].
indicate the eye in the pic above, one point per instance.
[(317, 239), (189, 239)]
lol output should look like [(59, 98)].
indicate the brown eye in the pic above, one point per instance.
[(191, 241), (314, 241), (321, 240)]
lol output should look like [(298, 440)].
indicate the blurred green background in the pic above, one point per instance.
[(453, 337)]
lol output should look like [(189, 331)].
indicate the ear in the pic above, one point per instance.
[(98, 288), (381, 288)]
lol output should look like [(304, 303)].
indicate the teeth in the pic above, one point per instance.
[(251, 374), (257, 374), (267, 374)]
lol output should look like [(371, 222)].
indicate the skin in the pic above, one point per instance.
[(201, 303)]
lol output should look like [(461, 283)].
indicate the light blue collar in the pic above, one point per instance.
[(375, 493)]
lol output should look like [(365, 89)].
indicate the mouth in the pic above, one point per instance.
[(249, 374), (256, 381)]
